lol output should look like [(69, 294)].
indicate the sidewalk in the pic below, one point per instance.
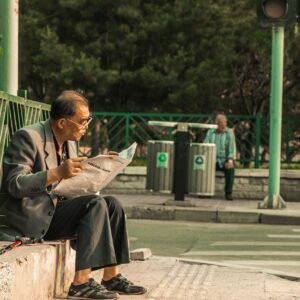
[(172, 279), (166, 278), (169, 278), (153, 206)]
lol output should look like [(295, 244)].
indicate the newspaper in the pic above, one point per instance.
[(97, 172)]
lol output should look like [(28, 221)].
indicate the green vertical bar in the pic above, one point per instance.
[(127, 119), (276, 114), (287, 139), (170, 130), (257, 139), (9, 11), (22, 93)]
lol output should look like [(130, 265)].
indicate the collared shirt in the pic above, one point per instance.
[(65, 152), (225, 144), (60, 159)]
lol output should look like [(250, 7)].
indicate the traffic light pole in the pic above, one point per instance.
[(273, 199), (9, 27)]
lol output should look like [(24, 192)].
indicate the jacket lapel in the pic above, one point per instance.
[(50, 152)]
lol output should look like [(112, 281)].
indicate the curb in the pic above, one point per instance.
[(214, 215)]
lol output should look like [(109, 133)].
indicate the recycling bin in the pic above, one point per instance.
[(202, 169), (160, 170)]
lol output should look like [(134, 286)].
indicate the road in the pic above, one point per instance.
[(264, 246)]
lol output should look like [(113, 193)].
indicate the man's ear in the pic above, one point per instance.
[(61, 123)]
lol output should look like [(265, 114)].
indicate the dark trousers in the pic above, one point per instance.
[(229, 178), (99, 226)]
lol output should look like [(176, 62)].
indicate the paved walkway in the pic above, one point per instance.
[(171, 279), (168, 278)]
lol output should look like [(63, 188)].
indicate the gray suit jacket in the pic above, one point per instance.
[(30, 153)]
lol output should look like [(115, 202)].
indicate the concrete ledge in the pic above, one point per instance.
[(238, 217), (268, 218), (196, 215), (140, 191), (28, 272), (249, 183), (157, 212), (171, 213), (152, 213), (286, 173), (35, 272), (185, 203), (193, 214), (134, 171)]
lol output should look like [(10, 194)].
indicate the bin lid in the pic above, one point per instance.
[(160, 142), (202, 125), (203, 144), (173, 124)]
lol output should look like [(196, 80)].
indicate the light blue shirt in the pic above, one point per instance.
[(225, 144)]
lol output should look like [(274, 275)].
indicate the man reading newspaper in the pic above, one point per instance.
[(40, 156)]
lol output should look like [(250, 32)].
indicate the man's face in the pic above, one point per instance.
[(222, 124), (77, 125)]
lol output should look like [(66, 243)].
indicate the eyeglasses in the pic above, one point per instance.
[(85, 123)]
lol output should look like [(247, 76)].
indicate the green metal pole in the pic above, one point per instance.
[(287, 140), (9, 27), (257, 138), (274, 200), (127, 128)]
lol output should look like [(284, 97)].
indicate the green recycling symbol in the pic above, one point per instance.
[(199, 162), (162, 159)]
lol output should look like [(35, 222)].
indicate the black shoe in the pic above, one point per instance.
[(228, 196), (90, 290), (121, 285)]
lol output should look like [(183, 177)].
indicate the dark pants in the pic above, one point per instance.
[(229, 178), (99, 226)]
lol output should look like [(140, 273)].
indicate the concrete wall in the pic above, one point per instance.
[(36, 272), (249, 183)]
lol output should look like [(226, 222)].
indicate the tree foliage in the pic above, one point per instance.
[(150, 55)]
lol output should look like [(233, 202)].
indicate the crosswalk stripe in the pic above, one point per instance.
[(264, 262), (252, 243), (284, 236), (242, 253)]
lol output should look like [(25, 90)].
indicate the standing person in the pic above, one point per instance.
[(36, 159), (224, 139)]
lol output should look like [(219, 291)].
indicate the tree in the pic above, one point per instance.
[(150, 55)]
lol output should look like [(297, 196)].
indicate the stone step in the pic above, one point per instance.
[(36, 272)]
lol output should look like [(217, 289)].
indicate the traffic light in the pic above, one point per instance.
[(277, 12)]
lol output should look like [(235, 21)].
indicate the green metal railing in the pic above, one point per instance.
[(117, 130), (16, 112)]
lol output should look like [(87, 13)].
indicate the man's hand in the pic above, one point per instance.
[(69, 168), (229, 164)]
